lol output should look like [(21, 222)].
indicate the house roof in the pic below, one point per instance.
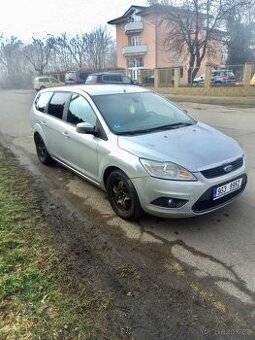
[(142, 10), (131, 9)]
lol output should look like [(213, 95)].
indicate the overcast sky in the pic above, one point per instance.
[(27, 18)]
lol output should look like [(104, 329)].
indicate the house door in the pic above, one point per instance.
[(133, 73), (134, 65)]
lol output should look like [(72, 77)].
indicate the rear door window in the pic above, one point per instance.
[(53, 80), (57, 104), (42, 101)]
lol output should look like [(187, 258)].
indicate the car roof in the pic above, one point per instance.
[(107, 73), (94, 90), (79, 72)]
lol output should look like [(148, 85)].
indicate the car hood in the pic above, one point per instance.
[(195, 147)]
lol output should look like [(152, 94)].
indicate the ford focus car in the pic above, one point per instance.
[(145, 152)]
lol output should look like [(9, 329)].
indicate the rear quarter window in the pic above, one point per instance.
[(42, 101)]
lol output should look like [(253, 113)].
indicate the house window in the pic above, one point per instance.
[(134, 17), (135, 62), (181, 71), (134, 40)]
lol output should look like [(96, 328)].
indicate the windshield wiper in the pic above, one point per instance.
[(157, 128), (131, 133), (173, 126)]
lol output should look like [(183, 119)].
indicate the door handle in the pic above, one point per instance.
[(65, 134)]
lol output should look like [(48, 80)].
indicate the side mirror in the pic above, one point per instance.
[(86, 128)]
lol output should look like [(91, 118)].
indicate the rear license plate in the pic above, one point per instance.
[(227, 188)]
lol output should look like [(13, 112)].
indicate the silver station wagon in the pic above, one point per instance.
[(144, 151)]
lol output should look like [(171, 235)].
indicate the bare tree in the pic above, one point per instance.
[(11, 60), (61, 58), (74, 46), (38, 53), (193, 26), (98, 47)]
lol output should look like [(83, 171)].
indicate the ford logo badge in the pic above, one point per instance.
[(228, 168)]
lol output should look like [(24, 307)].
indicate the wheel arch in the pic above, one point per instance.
[(108, 171)]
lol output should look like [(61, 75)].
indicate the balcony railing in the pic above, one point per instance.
[(134, 27), (134, 50)]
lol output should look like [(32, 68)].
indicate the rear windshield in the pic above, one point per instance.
[(69, 76)]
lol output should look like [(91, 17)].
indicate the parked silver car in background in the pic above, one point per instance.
[(143, 150)]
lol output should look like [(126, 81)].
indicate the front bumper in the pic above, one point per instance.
[(196, 196)]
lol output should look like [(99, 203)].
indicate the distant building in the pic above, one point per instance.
[(139, 39)]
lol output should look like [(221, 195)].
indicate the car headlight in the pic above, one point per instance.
[(167, 170)]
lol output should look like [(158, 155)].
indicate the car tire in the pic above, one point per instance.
[(42, 151), (123, 196)]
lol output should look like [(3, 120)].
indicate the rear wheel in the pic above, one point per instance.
[(123, 196), (41, 150)]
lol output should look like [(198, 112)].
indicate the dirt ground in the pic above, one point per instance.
[(153, 296)]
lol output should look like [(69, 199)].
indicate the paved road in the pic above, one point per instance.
[(218, 247)]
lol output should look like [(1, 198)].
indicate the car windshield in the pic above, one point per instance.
[(143, 112)]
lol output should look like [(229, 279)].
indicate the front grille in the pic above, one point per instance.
[(206, 202), (219, 170)]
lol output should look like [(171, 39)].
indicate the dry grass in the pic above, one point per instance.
[(37, 299)]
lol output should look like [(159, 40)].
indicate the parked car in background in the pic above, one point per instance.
[(218, 77), (109, 78), (223, 77), (76, 77), (144, 151), (44, 82)]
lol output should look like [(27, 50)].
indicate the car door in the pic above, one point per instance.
[(53, 124), (80, 150)]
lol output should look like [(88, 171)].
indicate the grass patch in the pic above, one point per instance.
[(37, 298)]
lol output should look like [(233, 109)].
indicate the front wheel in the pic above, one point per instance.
[(42, 151), (123, 196)]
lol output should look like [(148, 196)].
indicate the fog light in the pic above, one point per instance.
[(169, 202)]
